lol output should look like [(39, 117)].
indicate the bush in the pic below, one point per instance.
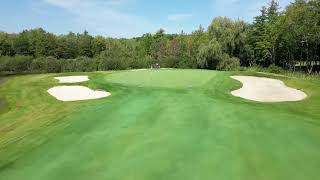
[(39, 65), (15, 64), (46, 64), (112, 61), (68, 65), (169, 62), (85, 64), (227, 63), (54, 65), (80, 64), (140, 62), (275, 69), (187, 62), (3, 63)]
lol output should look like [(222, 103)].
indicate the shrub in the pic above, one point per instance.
[(169, 62), (187, 62), (3, 63), (39, 65), (68, 65), (46, 64), (275, 69), (227, 63), (112, 61), (16, 64), (54, 65), (140, 62), (85, 64)]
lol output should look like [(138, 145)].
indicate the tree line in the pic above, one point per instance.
[(288, 38)]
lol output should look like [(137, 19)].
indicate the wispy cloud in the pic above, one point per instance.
[(107, 17), (245, 10), (179, 17)]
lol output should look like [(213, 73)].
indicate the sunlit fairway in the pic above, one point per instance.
[(157, 124)]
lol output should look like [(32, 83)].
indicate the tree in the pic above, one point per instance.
[(41, 43), (301, 29), (232, 35), (114, 58), (289, 38), (6, 45), (85, 44), (67, 47), (98, 45), (21, 44), (209, 55)]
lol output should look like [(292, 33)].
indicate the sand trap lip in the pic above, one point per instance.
[(266, 90), (76, 93), (72, 79)]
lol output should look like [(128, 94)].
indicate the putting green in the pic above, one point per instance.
[(163, 124), (162, 78)]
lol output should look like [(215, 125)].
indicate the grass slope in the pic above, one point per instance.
[(167, 124)]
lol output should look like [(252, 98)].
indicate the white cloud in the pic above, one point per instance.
[(63, 3), (245, 10), (71, 4), (106, 17), (179, 17)]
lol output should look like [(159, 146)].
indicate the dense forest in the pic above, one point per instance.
[(287, 39)]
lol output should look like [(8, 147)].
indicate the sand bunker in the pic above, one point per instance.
[(72, 79), (76, 93), (266, 90)]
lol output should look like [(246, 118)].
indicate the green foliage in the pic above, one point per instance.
[(67, 46), (232, 35), (114, 59), (210, 55), (39, 65), (140, 62), (170, 62), (46, 64), (21, 44), (300, 29), (228, 63), (187, 62), (275, 69), (16, 64), (283, 38), (6, 45), (80, 64), (98, 45), (85, 43)]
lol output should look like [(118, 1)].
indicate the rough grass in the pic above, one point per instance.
[(166, 124)]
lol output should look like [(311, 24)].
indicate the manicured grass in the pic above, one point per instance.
[(2, 105), (162, 78), (164, 124)]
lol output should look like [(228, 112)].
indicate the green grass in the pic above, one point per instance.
[(166, 124), (2, 105)]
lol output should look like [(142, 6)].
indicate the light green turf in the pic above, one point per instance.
[(162, 78), (163, 124)]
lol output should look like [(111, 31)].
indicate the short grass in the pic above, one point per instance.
[(165, 124)]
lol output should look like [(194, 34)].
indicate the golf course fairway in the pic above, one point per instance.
[(157, 124)]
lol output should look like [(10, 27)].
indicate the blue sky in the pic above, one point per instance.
[(122, 18)]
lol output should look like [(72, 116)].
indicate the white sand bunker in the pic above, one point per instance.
[(76, 93), (72, 79), (266, 90)]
